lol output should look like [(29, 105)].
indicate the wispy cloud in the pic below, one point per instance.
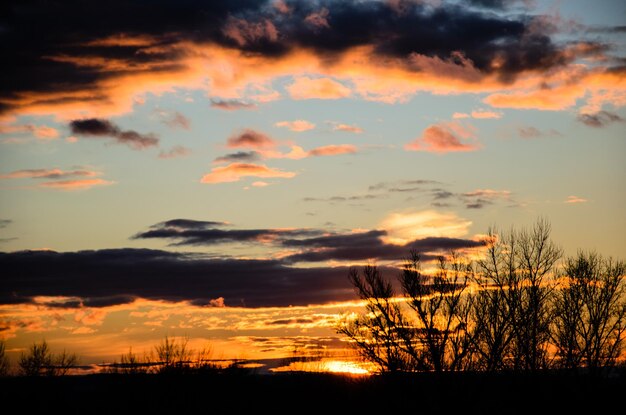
[(75, 184), (174, 119), (48, 174), (175, 152), (574, 200), (532, 132), (296, 125), (478, 114), (348, 128), (232, 104), (599, 119), (333, 150), (236, 171), (59, 179)]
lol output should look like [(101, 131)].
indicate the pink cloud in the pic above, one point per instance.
[(296, 125), (445, 138), (305, 87), (236, 171)]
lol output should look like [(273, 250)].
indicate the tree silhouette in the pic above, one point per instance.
[(41, 361), (381, 333), (441, 313), (590, 312), (4, 360)]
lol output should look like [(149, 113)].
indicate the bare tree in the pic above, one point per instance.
[(4, 360), (41, 361), (379, 335), (441, 310), (590, 312), (512, 310)]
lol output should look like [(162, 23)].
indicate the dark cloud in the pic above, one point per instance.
[(240, 156), (5, 222), (369, 245), (400, 185), (106, 277), (232, 104), (95, 127), (494, 4), (41, 42), (599, 119), (185, 232), (188, 224)]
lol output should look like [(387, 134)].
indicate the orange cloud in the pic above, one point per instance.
[(42, 132), (333, 150), (575, 199), (444, 138), (75, 184), (348, 128), (404, 227), (305, 87), (296, 125), (236, 171)]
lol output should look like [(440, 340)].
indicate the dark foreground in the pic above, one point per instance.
[(463, 393)]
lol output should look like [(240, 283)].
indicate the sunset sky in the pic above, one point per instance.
[(212, 168)]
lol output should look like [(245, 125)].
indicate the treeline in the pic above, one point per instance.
[(522, 307), (170, 355)]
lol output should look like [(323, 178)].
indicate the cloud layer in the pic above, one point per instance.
[(94, 59)]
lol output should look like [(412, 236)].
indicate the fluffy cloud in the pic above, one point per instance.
[(305, 87), (383, 51), (445, 138), (236, 171)]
